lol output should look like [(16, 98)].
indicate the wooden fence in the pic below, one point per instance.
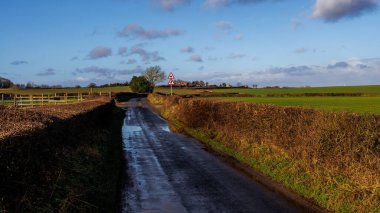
[(30, 100)]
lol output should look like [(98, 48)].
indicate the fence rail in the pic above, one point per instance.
[(30, 100)]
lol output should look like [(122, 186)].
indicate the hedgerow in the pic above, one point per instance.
[(332, 158)]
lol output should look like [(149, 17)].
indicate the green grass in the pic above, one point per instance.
[(366, 90), (350, 104)]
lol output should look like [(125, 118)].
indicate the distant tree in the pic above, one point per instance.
[(92, 85), (140, 85), (30, 85), (154, 75), (5, 83), (58, 86), (77, 86)]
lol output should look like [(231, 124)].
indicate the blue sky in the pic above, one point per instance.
[(264, 42)]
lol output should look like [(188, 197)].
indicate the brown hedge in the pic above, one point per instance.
[(326, 146)]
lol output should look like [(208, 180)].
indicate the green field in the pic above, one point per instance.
[(366, 90), (370, 104), (373, 90)]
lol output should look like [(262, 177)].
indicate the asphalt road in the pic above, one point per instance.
[(169, 172)]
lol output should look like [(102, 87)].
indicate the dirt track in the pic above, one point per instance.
[(169, 172)]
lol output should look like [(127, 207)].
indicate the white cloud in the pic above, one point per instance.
[(223, 25), (237, 56), (215, 3), (146, 56), (196, 58), (187, 49), (100, 52), (171, 4), (239, 37), (333, 10), (137, 31), (47, 72)]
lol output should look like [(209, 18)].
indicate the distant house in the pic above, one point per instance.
[(181, 83)]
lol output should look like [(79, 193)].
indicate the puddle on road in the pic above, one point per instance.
[(129, 129), (148, 190), (165, 128)]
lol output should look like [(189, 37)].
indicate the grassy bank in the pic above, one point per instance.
[(61, 158), (331, 158)]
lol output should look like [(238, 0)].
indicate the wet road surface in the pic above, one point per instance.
[(169, 172)]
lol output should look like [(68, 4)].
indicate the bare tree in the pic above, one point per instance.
[(154, 75)]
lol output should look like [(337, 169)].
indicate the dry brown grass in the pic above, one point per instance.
[(16, 121), (333, 158), (63, 158)]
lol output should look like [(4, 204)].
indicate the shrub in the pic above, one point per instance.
[(140, 85)]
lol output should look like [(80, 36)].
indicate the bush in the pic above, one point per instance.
[(140, 85)]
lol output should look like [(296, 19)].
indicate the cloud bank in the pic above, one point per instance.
[(348, 72)]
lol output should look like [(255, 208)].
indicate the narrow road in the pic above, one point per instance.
[(169, 172)]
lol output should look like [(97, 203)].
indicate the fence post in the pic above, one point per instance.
[(31, 99), (66, 97), (14, 100), (110, 94), (42, 99), (2, 99)]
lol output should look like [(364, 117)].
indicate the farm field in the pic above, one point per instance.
[(368, 102), (349, 104), (64, 90), (371, 90)]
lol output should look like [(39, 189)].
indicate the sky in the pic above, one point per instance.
[(292, 43)]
